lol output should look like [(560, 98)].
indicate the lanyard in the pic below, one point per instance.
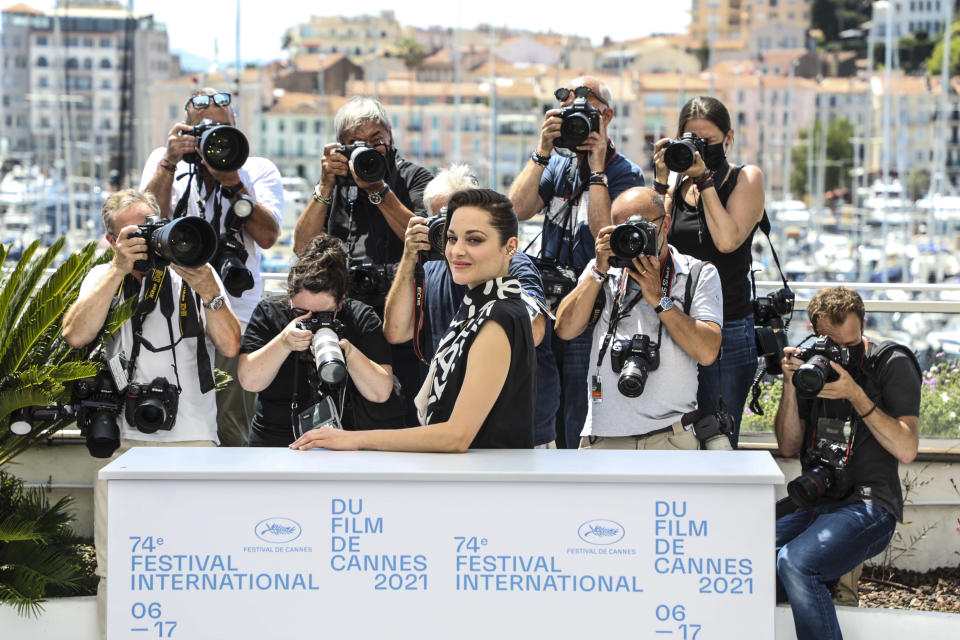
[(616, 314)]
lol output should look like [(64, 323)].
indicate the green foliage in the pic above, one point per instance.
[(38, 552), (36, 365), (918, 183), (839, 155), (411, 52), (935, 60)]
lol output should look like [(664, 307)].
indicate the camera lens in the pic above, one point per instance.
[(633, 377), (225, 148), (329, 358), (186, 242), (807, 488), (679, 155), (369, 164), (234, 274), (103, 435), (149, 415), (810, 377), (575, 129), (626, 241), (361, 282)]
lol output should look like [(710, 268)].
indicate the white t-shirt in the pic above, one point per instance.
[(197, 412), (262, 180), (670, 390)]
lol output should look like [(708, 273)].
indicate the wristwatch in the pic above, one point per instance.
[(215, 304), (665, 305), (376, 197)]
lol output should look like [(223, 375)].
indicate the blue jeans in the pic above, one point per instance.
[(816, 547), (730, 376), (573, 363)]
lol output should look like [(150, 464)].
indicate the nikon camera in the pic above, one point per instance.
[(186, 242), (769, 329), (223, 147)]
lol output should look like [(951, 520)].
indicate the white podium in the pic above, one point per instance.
[(224, 544)]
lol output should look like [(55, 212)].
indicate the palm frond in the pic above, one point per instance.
[(19, 397), (28, 331), (119, 315)]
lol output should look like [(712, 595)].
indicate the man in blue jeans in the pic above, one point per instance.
[(852, 433)]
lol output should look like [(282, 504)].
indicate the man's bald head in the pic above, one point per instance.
[(637, 201)]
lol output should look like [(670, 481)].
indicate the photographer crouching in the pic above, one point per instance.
[(317, 357), (850, 409), (161, 361), (653, 314), (205, 170)]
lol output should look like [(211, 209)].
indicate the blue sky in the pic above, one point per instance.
[(193, 26)]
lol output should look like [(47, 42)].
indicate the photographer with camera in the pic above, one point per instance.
[(572, 177), (423, 266), (479, 391), (166, 360), (316, 356), (715, 209), (365, 196), (850, 409), (655, 314), (205, 171)]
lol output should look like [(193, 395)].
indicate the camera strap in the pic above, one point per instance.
[(418, 302), (814, 420), (314, 381)]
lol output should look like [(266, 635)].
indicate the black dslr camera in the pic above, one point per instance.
[(558, 280), (369, 281), (186, 242), (97, 404), (826, 475), (633, 359), (230, 260), (435, 237), (816, 371), (579, 120), (713, 430), (225, 148), (369, 164), (769, 329), (633, 238), (325, 347), (151, 406), (678, 155)]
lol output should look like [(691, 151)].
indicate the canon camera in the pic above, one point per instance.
[(634, 358)]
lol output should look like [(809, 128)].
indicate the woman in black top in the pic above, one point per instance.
[(480, 390), (275, 360), (715, 209)]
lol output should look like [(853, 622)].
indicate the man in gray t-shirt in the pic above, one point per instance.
[(635, 403)]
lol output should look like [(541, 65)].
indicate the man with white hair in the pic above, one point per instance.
[(370, 218)]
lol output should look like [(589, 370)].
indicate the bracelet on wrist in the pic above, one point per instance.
[(704, 180), (319, 197), (660, 187), (541, 160), (168, 166), (871, 410), (598, 275)]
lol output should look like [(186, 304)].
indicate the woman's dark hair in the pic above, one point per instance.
[(502, 216), (705, 108), (322, 267)]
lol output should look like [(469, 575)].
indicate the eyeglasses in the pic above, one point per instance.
[(563, 93), (201, 102)]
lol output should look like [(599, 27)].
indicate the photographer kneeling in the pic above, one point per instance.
[(317, 357), (850, 408), (657, 315), (163, 356)]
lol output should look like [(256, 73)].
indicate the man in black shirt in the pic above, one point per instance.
[(851, 435), (370, 218)]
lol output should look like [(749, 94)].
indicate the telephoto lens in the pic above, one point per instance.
[(331, 366), (810, 377), (186, 242), (225, 148)]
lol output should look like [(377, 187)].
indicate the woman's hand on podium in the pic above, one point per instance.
[(328, 438)]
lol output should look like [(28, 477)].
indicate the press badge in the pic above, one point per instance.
[(596, 389)]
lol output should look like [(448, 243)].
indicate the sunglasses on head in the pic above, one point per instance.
[(203, 101), (563, 93)]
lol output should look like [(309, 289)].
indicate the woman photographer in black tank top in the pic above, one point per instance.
[(715, 209)]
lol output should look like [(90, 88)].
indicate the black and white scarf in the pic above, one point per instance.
[(476, 307)]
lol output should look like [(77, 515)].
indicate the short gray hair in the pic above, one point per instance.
[(123, 199), (356, 112), (457, 177)]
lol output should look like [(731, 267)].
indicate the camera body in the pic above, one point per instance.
[(230, 260), (151, 407), (826, 475), (579, 120), (370, 281), (633, 238), (435, 237), (186, 242), (633, 358), (369, 165), (558, 280), (97, 404), (678, 155), (325, 346), (769, 328), (713, 430), (224, 148), (816, 371)]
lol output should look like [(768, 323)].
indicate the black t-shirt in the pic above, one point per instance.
[(893, 382), (509, 425), (361, 225), (689, 235), (361, 327)]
